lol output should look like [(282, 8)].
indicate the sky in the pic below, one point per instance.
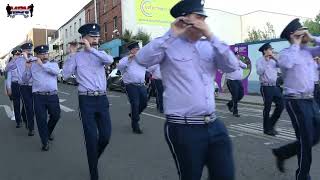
[(54, 13)]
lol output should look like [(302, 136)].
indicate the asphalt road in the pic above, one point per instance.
[(135, 157)]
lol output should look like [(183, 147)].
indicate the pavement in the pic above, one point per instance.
[(136, 157), (247, 99)]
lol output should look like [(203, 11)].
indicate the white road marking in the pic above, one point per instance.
[(65, 108), (113, 96), (8, 110), (268, 143), (240, 132), (63, 92), (155, 116), (256, 128)]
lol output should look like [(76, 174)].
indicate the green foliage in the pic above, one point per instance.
[(127, 36), (143, 36), (313, 25), (259, 35), (140, 36)]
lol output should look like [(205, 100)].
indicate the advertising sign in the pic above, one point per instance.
[(243, 52), (154, 12)]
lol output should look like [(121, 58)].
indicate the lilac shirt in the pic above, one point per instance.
[(88, 66), (8, 80), (316, 72), (297, 66), (44, 76), (155, 71), (131, 71), (14, 75), (188, 71), (20, 65), (237, 74), (267, 70)]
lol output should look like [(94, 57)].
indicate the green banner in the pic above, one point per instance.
[(154, 12)]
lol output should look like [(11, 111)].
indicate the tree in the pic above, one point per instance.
[(313, 25), (140, 36), (127, 36), (143, 36), (259, 35)]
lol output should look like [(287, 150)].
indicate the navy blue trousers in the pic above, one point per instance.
[(16, 98), (305, 118), (94, 113), (196, 146), (236, 89), (271, 94), (159, 92), (316, 94), (27, 100), (138, 99), (45, 105)]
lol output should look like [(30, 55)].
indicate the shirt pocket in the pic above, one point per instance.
[(181, 58), (179, 54)]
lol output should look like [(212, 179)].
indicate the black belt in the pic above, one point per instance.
[(93, 93), (48, 93), (195, 120)]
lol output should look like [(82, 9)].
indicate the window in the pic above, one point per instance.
[(79, 22), (70, 31), (114, 2), (104, 6), (105, 27), (66, 34), (75, 27), (88, 16), (115, 23)]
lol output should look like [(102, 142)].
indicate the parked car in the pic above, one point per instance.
[(72, 80), (114, 81)]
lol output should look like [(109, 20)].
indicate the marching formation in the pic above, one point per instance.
[(183, 63)]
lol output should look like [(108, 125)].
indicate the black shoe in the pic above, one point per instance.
[(279, 161), (51, 137), (236, 115), (271, 132), (129, 115), (137, 131), (230, 107), (45, 147), (31, 133), (18, 126)]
